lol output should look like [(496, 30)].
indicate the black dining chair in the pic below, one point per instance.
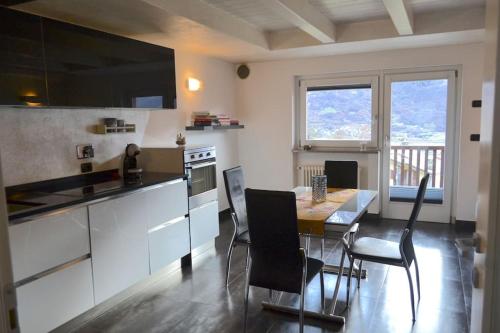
[(382, 251), (341, 174), (277, 262), (235, 187)]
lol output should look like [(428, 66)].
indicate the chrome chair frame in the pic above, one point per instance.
[(234, 183), (406, 250), (232, 245), (302, 290)]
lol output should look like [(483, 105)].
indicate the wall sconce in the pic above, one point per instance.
[(193, 84)]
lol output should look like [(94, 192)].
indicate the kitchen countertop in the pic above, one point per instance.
[(27, 201)]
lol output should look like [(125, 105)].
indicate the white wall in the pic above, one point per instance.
[(39, 144), (217, 96), (265, 103)]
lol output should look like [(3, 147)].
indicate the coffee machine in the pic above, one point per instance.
[(131, 173)]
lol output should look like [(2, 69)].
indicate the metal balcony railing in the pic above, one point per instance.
[(409, 164)]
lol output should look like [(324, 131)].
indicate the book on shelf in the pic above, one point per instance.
[(203, 118)]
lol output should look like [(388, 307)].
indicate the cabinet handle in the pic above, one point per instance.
[(166, 224), (204, 205)]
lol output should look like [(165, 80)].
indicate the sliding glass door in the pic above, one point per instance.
[(419, 119)]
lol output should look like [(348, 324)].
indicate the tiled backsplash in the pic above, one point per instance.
[(38, 144)]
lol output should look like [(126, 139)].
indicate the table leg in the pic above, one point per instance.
[(337, 284), (334, 269)]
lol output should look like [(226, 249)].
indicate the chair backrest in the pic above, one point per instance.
[(235, 191), (406, 243), (276, 262), (341, 174)]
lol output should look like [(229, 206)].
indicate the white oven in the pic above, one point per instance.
[(200, 167)]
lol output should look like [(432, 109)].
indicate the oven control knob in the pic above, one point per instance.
[(192, 156), (200, 156), (208, 154)]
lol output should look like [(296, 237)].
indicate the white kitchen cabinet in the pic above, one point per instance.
[(52, 300), (118, 232), (204, 223), (47, 242), (167, 202), (168, 242)]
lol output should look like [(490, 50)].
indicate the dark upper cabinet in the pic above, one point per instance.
[(22, 69), (81, 67), (77, 70)]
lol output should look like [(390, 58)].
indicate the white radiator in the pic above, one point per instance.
[(307, 171)]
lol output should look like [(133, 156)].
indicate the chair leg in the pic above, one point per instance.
[(302, 295), (349, 276), (228, 265), (360, 268), (247, 287), (322, 247), (418, 278), (322, 281), (248, 256), (301, 309), (308, 244), (410, 282)]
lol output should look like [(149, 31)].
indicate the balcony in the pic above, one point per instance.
[(408, 164)]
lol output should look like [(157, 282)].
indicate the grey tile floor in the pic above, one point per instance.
[(196, 300)]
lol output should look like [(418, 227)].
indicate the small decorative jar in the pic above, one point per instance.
[(180, 140), (319, 188)]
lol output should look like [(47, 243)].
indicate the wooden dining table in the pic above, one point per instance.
[(341, 210)]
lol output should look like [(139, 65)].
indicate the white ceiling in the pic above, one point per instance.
[(252, 11), (422, 6), (254, 30), (351, 10)]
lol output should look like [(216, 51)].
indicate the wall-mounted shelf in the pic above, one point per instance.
[(213, 127), (103, 129)]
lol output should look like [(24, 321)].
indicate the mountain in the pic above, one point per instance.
[(418, 113)]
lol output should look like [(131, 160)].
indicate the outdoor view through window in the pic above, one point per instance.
[(418, 131), (418, 112), (339, 113)]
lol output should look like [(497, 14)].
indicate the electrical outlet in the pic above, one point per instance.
[(84, 151), (86, 167)]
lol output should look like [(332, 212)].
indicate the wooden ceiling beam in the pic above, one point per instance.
[(401, 15), (304, 16), (213, 18)]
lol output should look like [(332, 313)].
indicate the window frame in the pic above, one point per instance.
[(305, 83)]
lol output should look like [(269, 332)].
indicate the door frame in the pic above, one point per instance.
[(454, 123), (485, 316)]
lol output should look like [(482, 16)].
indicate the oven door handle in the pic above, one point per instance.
[(201, 165)]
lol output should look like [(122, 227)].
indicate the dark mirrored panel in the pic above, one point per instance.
[(22, 70), (95, 69)]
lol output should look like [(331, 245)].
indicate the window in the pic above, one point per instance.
[(339, 112), (147, 102)]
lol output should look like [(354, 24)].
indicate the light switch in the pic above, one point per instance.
[(84, 151), (475, 277)]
